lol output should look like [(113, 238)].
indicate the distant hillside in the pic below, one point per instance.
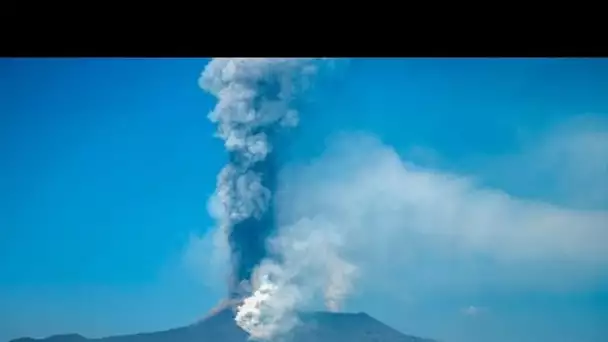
[(220, 327)]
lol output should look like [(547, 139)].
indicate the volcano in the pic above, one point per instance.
[(221, 327)]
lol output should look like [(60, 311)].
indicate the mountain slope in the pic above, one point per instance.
[(315, 327)]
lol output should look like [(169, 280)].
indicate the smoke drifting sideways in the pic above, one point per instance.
[(256, 98)]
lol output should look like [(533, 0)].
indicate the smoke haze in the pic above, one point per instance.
[(255, 99), (404, 232), (362, 220)]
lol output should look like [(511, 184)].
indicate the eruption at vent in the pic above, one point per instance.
[(273, 271), (255, 99)]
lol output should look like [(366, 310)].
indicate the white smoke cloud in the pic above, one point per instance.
[(255, 96), (361, 215), (397, 217), (310, 266), (268, 311), (570, 161), (406, 232), (310, 251), (410, 231)]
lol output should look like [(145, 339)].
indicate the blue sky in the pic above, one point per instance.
[(107, 165)]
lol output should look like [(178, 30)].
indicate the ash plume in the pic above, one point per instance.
[(413, 232), (256, 99)]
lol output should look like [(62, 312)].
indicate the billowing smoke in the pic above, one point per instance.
[(256, 98), (310, 265)]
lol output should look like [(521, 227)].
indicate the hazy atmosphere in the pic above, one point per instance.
[(464, 200)]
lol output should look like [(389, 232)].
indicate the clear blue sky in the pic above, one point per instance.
[(106, 166)]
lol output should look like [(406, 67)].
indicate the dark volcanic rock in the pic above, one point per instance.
[(220, 327)]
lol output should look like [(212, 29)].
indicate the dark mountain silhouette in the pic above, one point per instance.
[(220, 327)]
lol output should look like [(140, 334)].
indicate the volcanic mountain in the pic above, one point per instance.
[(221, 327)]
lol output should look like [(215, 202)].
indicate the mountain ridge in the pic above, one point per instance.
[(317, 326)]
